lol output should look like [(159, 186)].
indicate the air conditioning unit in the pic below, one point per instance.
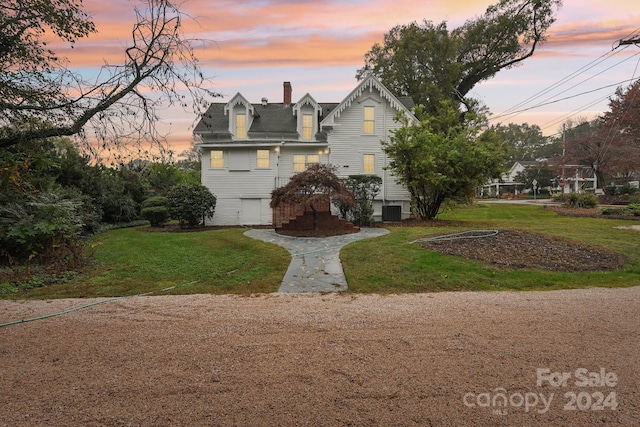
[(391, 213)]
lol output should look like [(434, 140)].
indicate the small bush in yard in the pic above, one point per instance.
[(191, 204), (612, 211), (155, 210), (575, 200), (632, 209)]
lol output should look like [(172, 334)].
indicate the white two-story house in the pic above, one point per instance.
[(250, 149)]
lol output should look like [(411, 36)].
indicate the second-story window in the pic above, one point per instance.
[(299, 161), (307, 127), (241, 126), (369, 126), (262, 159), (302, 162), (217, 159)]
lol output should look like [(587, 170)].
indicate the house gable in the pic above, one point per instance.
[(372, 85)]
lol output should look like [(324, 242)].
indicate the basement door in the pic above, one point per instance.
[(251, 211)]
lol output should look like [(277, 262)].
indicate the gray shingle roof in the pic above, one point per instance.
[(273, 119)]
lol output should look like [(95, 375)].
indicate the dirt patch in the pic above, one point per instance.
[(521, 249)]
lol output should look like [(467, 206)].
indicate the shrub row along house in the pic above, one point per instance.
[(250, 149)]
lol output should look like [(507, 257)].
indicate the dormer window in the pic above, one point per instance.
[(307, 112), (241, 113), (307, 127), (241, 125)]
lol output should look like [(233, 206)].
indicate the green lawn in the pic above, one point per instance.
[(133, 261), (391, 265)]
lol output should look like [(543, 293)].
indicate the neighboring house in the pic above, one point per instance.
[(507, 182), (249, 149), (576, 178)]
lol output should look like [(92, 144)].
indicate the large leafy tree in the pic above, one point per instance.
[(618, 152), (610, 145), (443, 158), (432, 64), (40, 97), (313, 187), (526, 142)]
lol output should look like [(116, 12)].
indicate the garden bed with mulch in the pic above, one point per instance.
[(516, 249), (589, 213)]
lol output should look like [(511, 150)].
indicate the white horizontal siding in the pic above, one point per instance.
[(230, 186), (348, 144)]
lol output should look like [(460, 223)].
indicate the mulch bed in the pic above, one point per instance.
[(521, 249), (589, 213)]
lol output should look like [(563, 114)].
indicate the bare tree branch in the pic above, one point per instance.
[(120, 108)]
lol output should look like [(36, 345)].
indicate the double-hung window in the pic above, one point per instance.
[(369, 163), (262, 159), (301, 161), (369, 125), (241, 126), (307, 127), (217, 159)]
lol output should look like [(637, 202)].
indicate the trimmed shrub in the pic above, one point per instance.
[(612, 211), (364, 188), (155, 210), (575, 200), (191, 204), (632, 209)]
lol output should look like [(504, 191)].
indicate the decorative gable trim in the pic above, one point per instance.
[(369, 84), (238, 99), (307, 100), (249, 113)]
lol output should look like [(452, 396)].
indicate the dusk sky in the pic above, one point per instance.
[(318, 45)]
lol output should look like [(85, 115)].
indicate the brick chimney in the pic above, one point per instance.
[(287, 93)]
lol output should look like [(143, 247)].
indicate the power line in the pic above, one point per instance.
[(570, 77), (562, 99), (625, 43)]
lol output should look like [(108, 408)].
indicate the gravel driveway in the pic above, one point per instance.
[(563, 358)]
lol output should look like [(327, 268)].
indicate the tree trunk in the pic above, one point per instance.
[(315, 217)]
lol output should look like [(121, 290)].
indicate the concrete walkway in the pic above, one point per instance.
[(315, 264)]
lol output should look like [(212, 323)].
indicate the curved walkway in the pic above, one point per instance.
[(315, 264)]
